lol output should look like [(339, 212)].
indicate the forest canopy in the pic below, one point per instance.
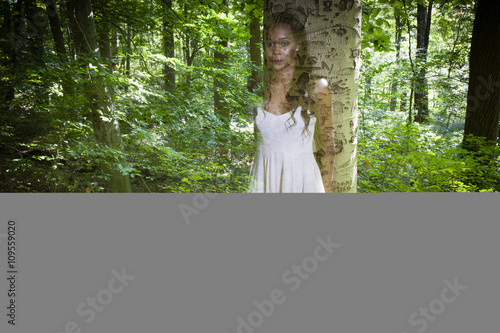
[(158, 95)]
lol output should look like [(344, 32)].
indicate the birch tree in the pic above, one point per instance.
[(333, 30)]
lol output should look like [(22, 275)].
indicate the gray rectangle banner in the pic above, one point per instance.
[(243, 263)]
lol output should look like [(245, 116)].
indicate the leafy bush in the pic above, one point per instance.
[(409, 157)]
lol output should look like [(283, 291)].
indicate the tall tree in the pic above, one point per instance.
[(333, 31), (60, 47), (101, 106), (398, 38), (35, 19), (190, 40), (7, 58), (421, 85), (255, 50), (168, 43), (55, 28), (483, 107), (220, 60)]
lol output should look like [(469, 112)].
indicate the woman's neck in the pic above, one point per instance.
[(280, 84), (282, 80)]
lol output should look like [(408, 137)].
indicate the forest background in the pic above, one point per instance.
[(166, 103)]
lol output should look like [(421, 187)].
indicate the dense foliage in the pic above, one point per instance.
[(175, 142)]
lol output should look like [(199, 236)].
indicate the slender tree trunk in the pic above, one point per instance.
[(189, 48), (36, 23), (483, 106), (168, 44), (17, 39), (7, 61), (405, 99), (421, 88), (220, 59), (255, 50), (333, 31), (55, 28), (105, 46), (101, 106), (368, 88), (394, 86), (57, 35), (129, 48), (115, 44)]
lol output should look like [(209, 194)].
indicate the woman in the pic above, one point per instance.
[(285, 159)]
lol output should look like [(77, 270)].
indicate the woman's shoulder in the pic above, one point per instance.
[(321, 85), (320, 89)]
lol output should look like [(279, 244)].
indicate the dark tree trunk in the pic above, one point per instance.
[(255, 52), (129, 47), (55, 28), (168, 44), (421, 86), (7, 48), (101, 106), (105, 46), (483, 106), (57, 35), (36, 23), (17, 38), (368, 89), (394, 86), (220, 59), (404, 100)]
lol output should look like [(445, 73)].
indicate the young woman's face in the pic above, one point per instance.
[(280, 47)]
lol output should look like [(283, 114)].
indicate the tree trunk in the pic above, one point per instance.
[(7, 49), (168, 44), (220, 59), (129, 48), (36, 23), (105, 46), (17, 39), (483, 107), (101, 106), (190, 49), (57, 35), (394, 86), (404, 100), (368, 88), (55, 28), (333, 31), (255, 51), (421, 86)]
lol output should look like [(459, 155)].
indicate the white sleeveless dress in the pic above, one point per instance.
[(284, 162)]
